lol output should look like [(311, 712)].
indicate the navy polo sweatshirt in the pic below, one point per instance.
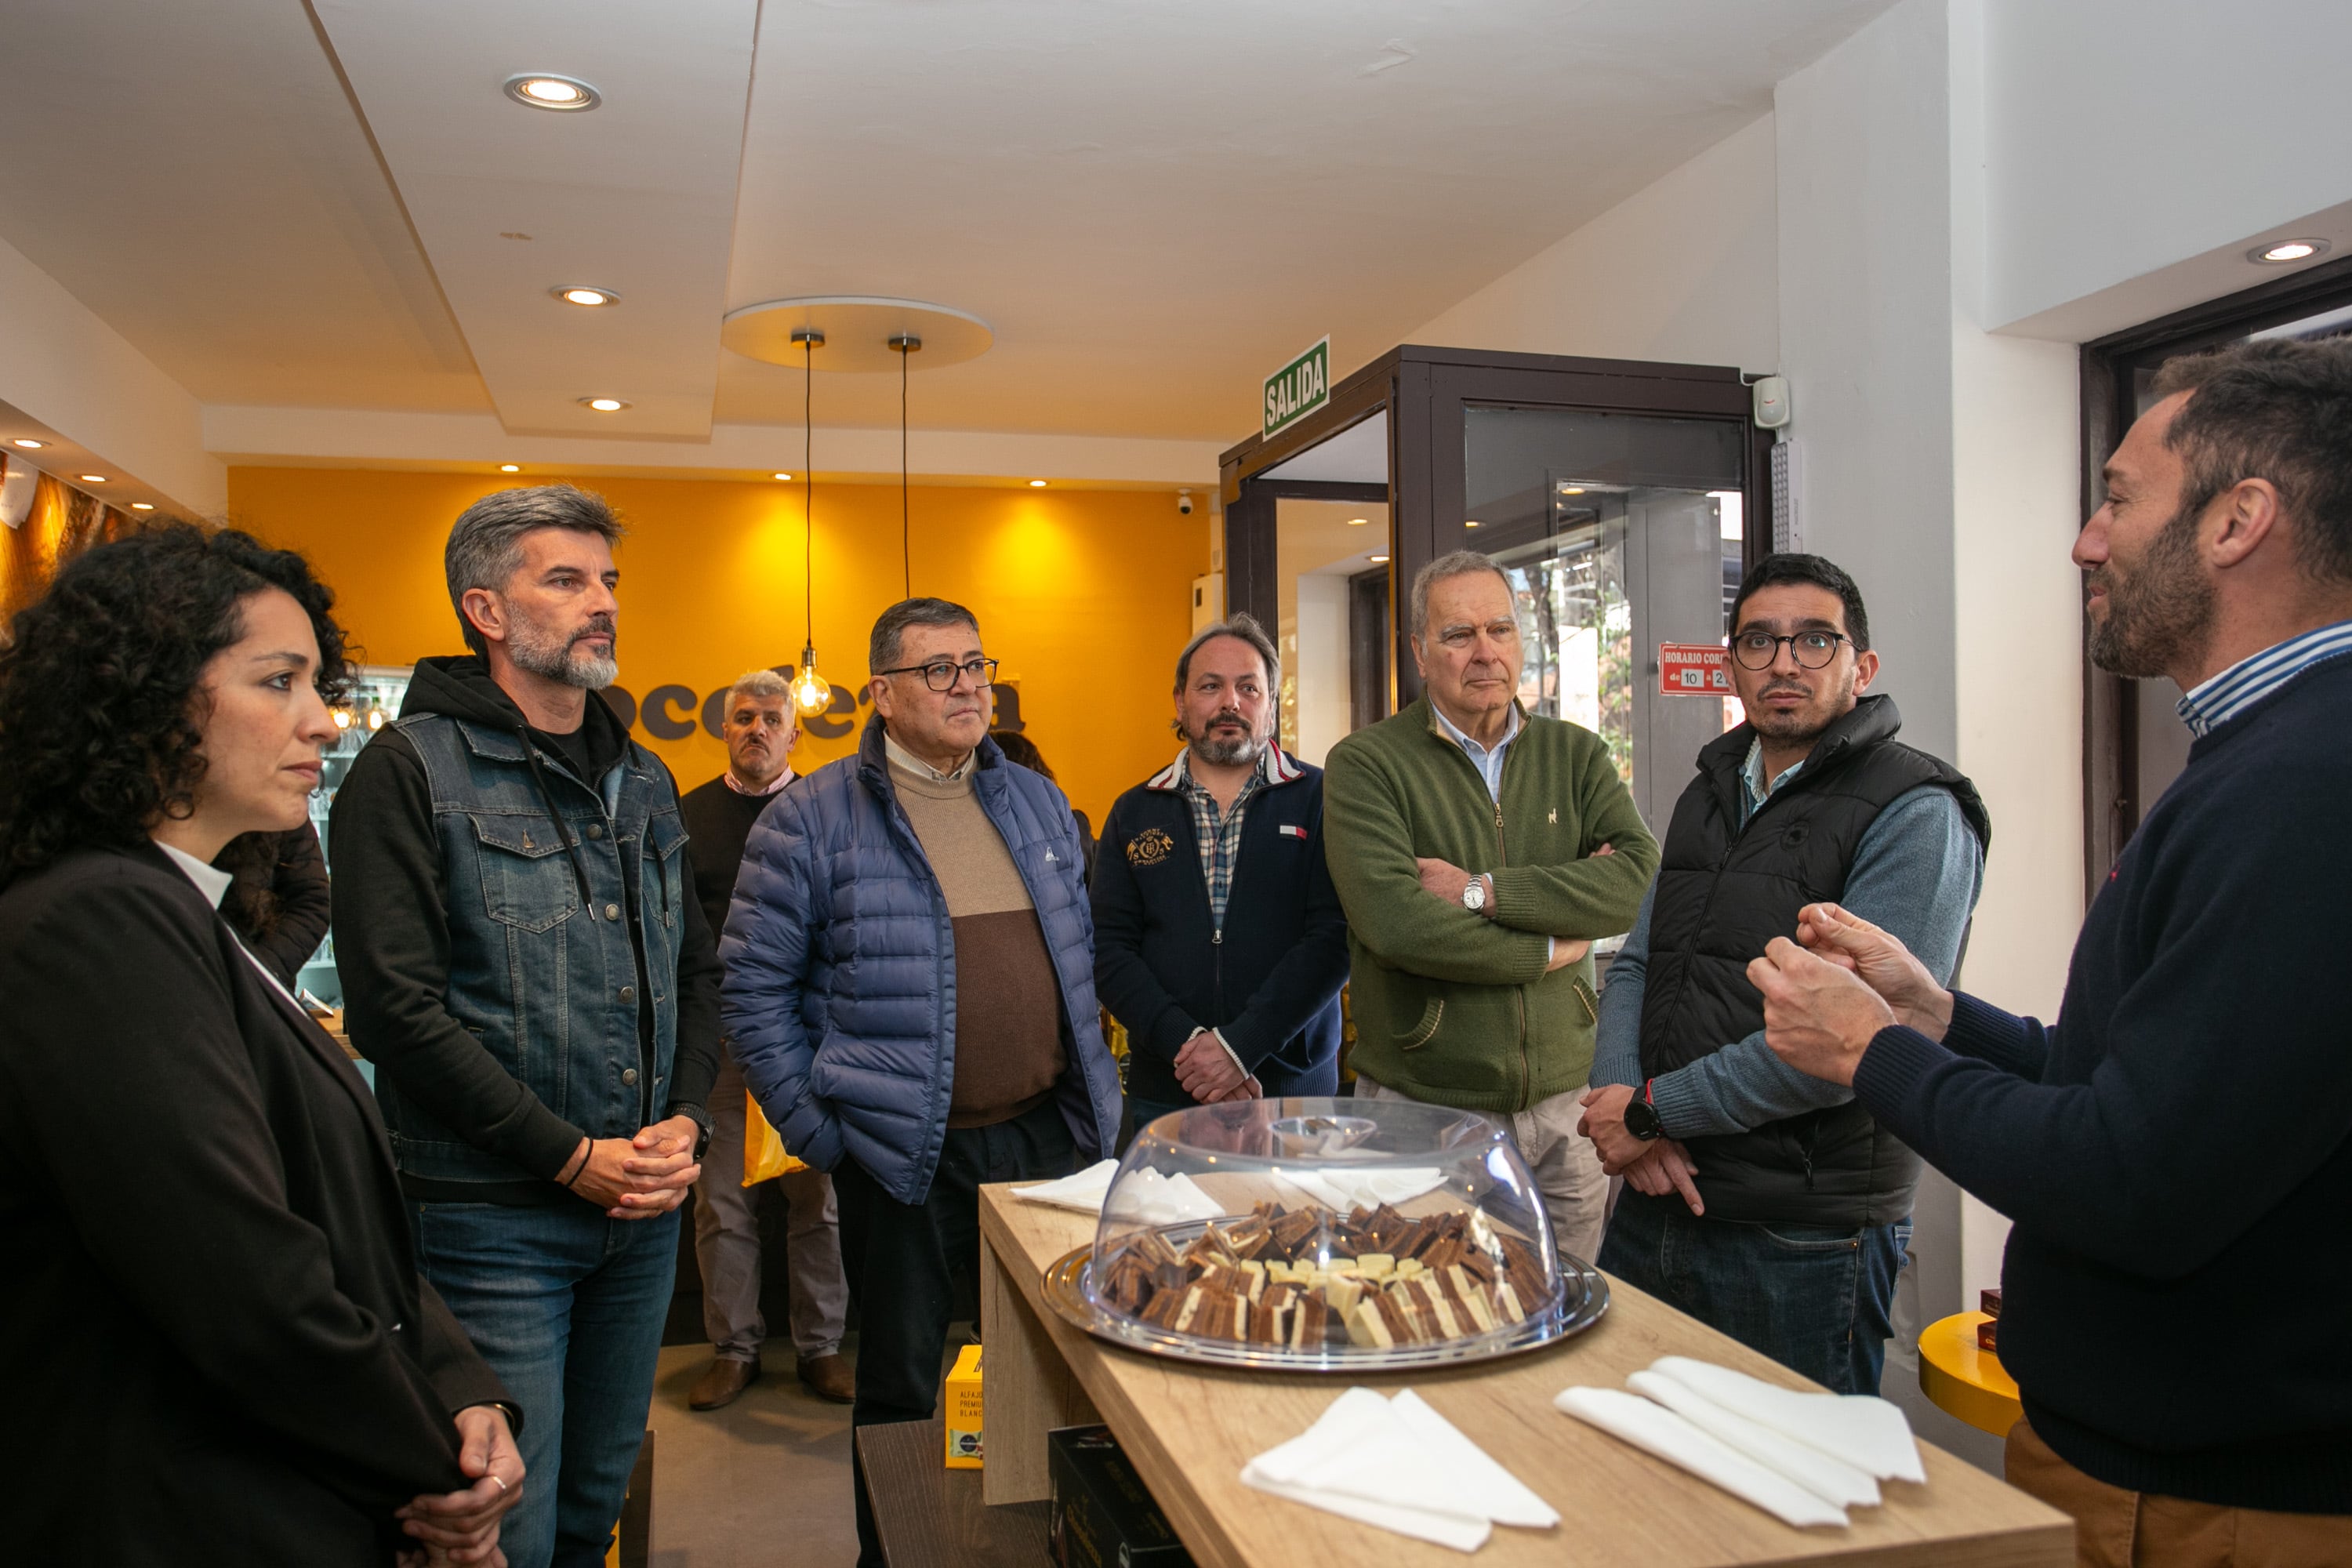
[(1271, 986), (2176, 1152)]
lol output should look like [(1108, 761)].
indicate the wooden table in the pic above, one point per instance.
[(1189, 1430), (925, 1514)]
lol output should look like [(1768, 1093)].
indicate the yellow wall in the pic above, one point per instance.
[(1083, 594)]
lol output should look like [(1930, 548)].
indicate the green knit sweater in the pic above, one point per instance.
[(1452, 1006)]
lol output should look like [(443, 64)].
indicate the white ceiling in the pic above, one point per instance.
[(1152, 202)]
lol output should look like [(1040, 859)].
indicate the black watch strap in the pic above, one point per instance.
[(702, 1128), (1641, 1117)]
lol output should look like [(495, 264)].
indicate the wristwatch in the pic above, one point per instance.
[(701, 1119), (1641, 1117), (1474, 895)]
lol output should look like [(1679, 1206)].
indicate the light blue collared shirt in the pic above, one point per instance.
[(1490, 761), (2215, 702), (1754, 786)]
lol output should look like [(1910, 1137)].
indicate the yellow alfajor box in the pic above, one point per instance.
[(961, 1411)]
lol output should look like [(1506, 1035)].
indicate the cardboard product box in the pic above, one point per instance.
[(961, 1410), (1102, 1516)]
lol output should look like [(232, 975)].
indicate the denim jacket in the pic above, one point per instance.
[(542, 968)]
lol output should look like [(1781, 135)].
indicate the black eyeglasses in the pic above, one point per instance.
[(1812, 650), (941, 673)]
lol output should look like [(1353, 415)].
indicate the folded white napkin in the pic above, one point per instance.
[(1153, 1199), (1867, 1433), (1339, 1187), (1657, 1430), (1833, 1481), (1401, 1466), (1084, 1191)]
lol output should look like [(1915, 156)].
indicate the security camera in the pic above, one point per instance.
[(1184, 502)]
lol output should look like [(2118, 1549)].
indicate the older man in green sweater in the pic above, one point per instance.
[(1478, 850)]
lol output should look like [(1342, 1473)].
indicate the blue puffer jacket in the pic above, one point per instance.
[(840, 967)]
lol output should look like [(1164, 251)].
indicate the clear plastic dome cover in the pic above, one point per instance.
[(1325, 1234)]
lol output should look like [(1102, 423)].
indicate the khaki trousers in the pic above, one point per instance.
[(1567, 1166), (2116, 1529)]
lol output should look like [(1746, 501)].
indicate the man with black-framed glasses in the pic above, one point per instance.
[(1763, 1202), (909, 987)]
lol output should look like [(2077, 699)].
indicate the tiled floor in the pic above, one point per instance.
[(763, 1482)]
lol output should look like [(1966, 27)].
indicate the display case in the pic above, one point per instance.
[(372, 702), (1324, 1235)]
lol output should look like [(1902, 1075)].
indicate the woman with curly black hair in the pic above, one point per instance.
[(213, 1306)]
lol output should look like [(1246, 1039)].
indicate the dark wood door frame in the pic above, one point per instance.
[(2111, 805), (1427, 394)]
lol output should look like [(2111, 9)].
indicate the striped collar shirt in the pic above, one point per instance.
[(2217, 701), (1488, 760), (1217, 836)]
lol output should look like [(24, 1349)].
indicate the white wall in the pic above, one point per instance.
[(1326, 712), (80, 379), (2130, 141), (1683, 270)]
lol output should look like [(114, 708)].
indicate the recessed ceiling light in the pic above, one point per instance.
[(2285, 250), (1358, 521), (92, 478), (1572, 489), (580, 294), (1036, 484), (605, 404), (28, 443), (142, 506), (1380, 560), (510, 468), (1469, 523), (784, 476), (539, 90)]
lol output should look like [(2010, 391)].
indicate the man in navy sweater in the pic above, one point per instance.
[(1219, 940), (2177, 1152)]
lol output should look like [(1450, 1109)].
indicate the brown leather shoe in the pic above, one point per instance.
[(721, 1383), (829, 1377)]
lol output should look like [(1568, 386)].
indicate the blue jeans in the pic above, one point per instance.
[(1816, 1298), (567, 1307)]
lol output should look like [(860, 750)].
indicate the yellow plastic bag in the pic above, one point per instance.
[(764, 1147)]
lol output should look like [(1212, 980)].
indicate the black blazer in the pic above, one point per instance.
[(214, 1340), (1271, 986)]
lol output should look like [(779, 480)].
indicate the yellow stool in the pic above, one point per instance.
[(1964, 1380)]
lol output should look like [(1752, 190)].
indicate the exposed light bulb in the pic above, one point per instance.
[(343, 718), (811, 691), (375, 718)]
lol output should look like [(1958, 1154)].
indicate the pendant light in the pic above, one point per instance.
[(811, 691), (904, 344)]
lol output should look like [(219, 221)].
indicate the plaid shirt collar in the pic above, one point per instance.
[(1217, 836)]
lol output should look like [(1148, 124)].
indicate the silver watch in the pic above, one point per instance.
[(1474, 895)]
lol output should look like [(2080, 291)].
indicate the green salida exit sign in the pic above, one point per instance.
[(1299, 388)]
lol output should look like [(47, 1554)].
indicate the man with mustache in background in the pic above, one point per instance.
[(1219, 940), (524, 961)]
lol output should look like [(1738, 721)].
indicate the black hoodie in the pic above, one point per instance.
[(390, 884)]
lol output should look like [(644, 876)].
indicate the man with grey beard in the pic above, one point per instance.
[(1219, 941), (525, 962)]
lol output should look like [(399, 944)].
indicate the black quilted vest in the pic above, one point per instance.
[(1723, 892)]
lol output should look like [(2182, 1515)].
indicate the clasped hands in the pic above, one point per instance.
[(1827, 993), (1208, 1072), (1443, 879), (639, 1177), (462, 1526)]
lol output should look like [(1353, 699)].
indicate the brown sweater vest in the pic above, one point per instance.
[(1008, 1023)]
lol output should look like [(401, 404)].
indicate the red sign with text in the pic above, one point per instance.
[(1694, 669)]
